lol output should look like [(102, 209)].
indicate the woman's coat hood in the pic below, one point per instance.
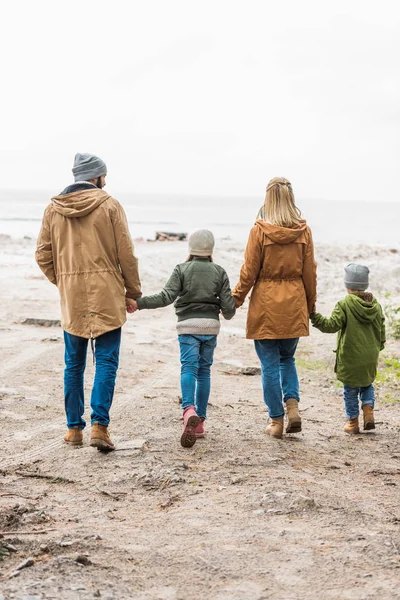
[(282, 235)]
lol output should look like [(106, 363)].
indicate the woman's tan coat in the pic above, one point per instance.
[(280, 267), (85, 249)]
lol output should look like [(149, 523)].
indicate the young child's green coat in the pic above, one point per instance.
[(361, 336)]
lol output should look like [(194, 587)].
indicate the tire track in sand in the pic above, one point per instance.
[(58, 425)]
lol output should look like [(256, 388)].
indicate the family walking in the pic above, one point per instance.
[(85, 249)]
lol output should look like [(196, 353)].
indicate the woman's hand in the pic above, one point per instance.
[(131, 305)]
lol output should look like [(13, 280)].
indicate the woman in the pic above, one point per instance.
[(280, 267)]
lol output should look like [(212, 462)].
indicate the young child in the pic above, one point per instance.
[(361, 325), (201, 290)]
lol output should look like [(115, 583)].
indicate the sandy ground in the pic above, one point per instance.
[(238, 516)]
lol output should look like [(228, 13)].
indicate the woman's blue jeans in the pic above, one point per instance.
[(278, 372), (351, 395), (106, 352), (197, 353)]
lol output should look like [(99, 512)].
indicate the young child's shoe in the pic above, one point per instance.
[(352, 426), (100, 439), (275, 428), (74, 436), (190, 423), (293, 415), (368, 412), (200, 430)]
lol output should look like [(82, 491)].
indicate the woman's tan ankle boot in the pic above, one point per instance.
[(293, 415), (275, 428), (352, 426), (368, 412)]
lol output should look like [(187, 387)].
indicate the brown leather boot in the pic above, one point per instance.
[(74, 437), (100, 439), (275, 428), (352, 426), (368, 412), (294, 419)]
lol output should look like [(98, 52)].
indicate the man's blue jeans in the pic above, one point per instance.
[(278, 372), (351, 394), (106, 352), (197, 353)]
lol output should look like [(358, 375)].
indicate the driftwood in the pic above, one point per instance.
[(168, 236), (33, 532), (42, 322), (52, 478)]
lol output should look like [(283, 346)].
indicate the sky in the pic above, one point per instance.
[(210, 97)]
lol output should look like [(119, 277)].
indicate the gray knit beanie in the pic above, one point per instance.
[(88, 166), (201, 243), (356, 277)]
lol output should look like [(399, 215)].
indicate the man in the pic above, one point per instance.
[(85, 249)]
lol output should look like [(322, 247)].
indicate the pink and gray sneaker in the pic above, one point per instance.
[(190, 422), (200, 431)]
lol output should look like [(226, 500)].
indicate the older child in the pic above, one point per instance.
[(201, 291), (361, 325)]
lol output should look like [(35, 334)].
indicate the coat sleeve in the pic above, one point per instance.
[(167, 296), (310, 275), (44, 250), (334, 323), (125, 253), (250, 269), (228, 307)]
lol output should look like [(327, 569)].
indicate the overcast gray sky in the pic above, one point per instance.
[(204, 96)]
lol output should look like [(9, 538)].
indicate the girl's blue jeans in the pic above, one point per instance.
[(351, 396), (106, 352), (278, 373), (197, 353)]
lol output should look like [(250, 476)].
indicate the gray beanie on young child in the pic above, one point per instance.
[(201, 243), (356, 277), (88, 166)]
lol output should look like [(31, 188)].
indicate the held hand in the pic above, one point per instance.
[(131, 305), (237, 302)]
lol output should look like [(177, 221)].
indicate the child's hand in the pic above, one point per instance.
[(131, 305)]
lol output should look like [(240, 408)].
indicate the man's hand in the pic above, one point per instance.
[(131, 305)]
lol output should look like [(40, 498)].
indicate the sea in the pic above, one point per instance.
[(334, 222)]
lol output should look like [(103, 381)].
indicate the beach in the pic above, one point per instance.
[(240, 515)]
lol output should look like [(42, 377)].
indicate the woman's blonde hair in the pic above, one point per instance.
[(279, 205)]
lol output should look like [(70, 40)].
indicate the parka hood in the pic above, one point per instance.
[(282, 235), (79, 204), (363, 311)]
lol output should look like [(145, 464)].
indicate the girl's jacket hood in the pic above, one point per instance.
[(364, 312), (282, 235), (79, 204)]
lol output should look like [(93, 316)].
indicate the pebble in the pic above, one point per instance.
[(259, 511), (82, 560), (28, 562), (235, 480), (304, 502)]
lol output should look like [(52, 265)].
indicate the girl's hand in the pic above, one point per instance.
[(131, 305)]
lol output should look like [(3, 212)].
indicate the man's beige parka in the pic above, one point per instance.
[(85, 249)]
